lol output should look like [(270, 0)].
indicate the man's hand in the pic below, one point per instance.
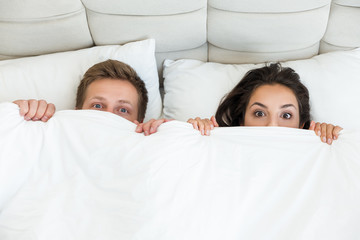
[(150, 126), (35, 110)]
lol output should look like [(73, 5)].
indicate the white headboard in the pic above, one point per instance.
[(228, 31)]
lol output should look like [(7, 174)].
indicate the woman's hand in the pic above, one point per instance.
[(150, 126), (35, 110), (326, 132), (204, 125)]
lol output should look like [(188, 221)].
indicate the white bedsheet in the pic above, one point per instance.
[(87, 175)]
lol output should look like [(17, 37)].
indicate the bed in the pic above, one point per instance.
[(88, 175)]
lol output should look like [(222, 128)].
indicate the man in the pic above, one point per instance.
[(110, 86)]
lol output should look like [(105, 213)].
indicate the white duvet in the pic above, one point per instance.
[(87, 175)]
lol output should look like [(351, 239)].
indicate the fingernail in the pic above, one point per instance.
[(202, 132), (207, 132), (334, 137), (146, 133), (329, 141), (27, 118), (318, 133), (151, 130), (324, 139)]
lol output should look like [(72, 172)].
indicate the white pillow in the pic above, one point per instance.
[(55, 77), (194, 88)]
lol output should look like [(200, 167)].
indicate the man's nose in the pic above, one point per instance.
[(109, 109)]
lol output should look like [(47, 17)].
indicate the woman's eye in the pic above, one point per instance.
[(287, 115), (259, 114), (97, 105)]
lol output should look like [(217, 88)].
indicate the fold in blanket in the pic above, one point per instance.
[(88, 175)]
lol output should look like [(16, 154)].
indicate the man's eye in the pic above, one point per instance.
[(123, 110), (259, 114), (97, 105), (287, 115)]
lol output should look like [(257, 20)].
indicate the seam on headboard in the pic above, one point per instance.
[(343, 5), (138, 15), (55, 17), (309, 10), (338, 46), (88, 25), (269, 52)]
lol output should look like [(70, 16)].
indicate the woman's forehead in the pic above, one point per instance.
[(276, 93)]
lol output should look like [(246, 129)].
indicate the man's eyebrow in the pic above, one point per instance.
[(124, 101), (97, 98), (102, 99)]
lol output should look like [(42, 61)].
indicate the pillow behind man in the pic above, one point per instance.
[(55, 77)]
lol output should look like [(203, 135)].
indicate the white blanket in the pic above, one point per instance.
[(87, 175)]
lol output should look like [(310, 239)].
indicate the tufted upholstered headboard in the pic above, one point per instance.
[(228, 31)]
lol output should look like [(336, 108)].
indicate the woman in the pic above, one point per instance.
[(267, 96)]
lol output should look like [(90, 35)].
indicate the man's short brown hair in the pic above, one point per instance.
[(113, 69)]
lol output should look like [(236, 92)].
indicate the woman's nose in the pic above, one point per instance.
[(273, 122)]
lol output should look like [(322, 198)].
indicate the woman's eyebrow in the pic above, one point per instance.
[(259, 104), (288, 105)]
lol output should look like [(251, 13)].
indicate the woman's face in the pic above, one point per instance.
[(272, 105)]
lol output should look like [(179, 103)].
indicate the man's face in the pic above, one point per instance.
[(112, 95)]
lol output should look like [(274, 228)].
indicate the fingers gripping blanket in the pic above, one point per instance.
[(88, 175)]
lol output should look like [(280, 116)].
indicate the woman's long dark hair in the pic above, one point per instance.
[(231, 111)]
